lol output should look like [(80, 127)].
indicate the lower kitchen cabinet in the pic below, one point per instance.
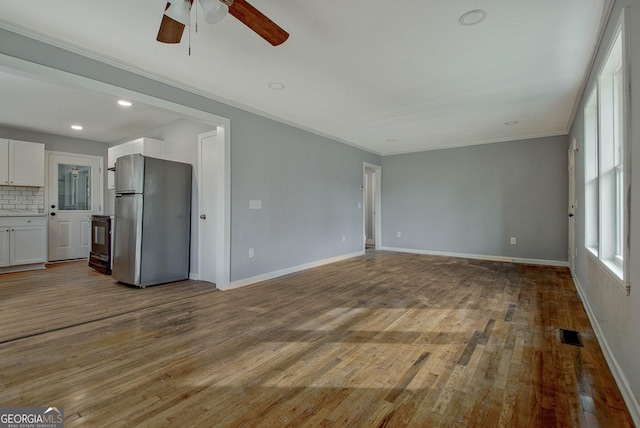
[(23, 242), (4, 245)]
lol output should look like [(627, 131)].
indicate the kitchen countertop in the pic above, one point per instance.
[(20, 213)]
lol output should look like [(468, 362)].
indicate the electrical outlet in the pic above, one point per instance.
[(251, 253), (513, 240), (344, 238)]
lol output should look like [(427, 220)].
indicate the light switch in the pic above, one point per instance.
[(255, 204)]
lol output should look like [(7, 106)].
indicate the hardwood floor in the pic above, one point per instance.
[(381, 340)]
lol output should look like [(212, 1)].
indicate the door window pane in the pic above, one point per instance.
[(74, 188)]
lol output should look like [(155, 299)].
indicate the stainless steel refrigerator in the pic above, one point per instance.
[(152, 221)]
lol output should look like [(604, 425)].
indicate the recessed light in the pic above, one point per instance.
[(124, 103), (473, 17), (76, 127), (276, 86), (511, 122)]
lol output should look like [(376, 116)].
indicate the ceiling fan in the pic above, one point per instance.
[(177, 16)]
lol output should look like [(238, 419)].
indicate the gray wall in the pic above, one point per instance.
[(472, 200), (614, 314), (310, 190)]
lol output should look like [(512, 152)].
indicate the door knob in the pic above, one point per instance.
[(53, 206), (53, 214), (203, 216)]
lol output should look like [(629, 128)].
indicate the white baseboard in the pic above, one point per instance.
[(287, 271), (481, 257), (20, 268), (618, 374)]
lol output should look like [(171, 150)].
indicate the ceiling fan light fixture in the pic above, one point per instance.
[(179, 11), (214, 10)]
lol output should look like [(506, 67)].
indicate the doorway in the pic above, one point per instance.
[(371, 206), (74, 194), (224, 124)]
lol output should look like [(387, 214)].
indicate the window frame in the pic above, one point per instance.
[(606, 141)]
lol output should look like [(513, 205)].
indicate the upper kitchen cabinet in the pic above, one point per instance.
[(21, 163), (144, 146)]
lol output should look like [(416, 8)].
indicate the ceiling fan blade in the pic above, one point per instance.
[(254, 19), (170, 30)]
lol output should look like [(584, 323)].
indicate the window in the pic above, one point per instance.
[(605, 136)]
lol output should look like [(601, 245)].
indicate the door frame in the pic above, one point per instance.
[(572, 203), (377, 205), (47, 185), (223, 207)]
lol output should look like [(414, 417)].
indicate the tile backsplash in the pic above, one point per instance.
[(22, 198)]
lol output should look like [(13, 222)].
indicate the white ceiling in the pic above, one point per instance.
[(33, 103), (390, 77)]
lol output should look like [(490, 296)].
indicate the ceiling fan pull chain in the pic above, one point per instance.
[(196, 2)]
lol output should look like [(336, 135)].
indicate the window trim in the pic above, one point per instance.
[(609, 201)]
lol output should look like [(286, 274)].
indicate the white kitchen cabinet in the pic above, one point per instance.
[(4, 161), (4, 245), (144, 146), (21, 163), (23, 241)]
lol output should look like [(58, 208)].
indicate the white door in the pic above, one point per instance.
[(208, 197), (214, 186), (572, 205), (74, 195)]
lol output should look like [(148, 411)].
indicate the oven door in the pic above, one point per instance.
[(100, 242)]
